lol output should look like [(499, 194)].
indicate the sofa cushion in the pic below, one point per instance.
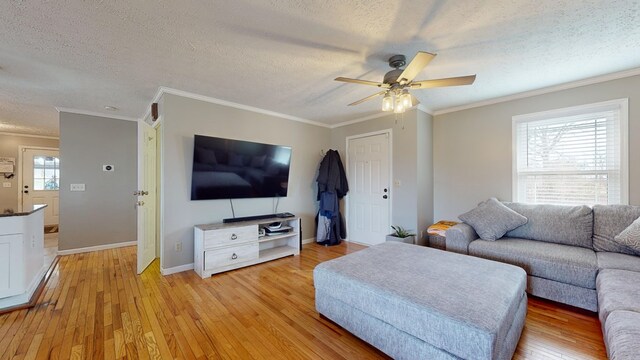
[(630, 237), (621, 334), (567, 264), (608, 222), (491, 219), (568, 225), (611, 260), (617, 290)]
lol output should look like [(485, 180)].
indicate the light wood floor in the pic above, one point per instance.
[(95, 306)]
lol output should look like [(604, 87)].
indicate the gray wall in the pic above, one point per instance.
[(104, 213), (412, 202), (472, 148), (9, 148), (184, 117)]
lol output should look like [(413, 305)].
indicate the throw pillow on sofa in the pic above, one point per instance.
[(491, 219), (630, 237)]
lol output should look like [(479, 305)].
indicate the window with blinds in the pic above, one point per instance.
[(572, 156)]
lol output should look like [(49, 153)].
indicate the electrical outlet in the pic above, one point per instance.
[(6, 184), (178, 246)]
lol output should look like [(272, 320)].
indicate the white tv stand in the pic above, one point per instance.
[(222, 247)]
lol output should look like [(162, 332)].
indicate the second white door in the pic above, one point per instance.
[(369, 190), (41, 181)]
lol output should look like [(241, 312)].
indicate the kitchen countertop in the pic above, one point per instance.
[(15, 212)]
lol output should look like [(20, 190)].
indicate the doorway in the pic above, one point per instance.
[(39, 181), (369, 200)]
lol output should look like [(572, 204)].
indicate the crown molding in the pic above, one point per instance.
[(93, 113), (378, 115), (30, 135), (542, 91), (364, 118), (166, 90), (424, 108)]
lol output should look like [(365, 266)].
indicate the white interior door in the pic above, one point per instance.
[(369, 190), (146, 196), (40, 181)]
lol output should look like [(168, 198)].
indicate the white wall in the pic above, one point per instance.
[(184, 117), (472, 148), (425, 172)]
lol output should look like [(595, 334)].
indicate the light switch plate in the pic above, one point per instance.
[(77, 187), (6, 184)]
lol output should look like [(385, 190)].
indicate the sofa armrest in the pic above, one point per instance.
[(459, 237)]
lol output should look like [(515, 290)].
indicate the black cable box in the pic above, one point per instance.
[(259, 217)]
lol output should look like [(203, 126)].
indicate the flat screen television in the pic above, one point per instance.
[(232, 169)]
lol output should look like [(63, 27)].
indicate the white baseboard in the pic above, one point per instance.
[(176, 269), (308, 241), (97, 248)]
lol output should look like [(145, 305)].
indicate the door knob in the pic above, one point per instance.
[(140, 203), (384, 196), (26, 191)]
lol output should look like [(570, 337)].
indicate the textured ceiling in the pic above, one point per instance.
[(283, 55)]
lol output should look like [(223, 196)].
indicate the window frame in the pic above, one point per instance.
[(621, 105)]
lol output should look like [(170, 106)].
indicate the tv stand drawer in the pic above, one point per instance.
[(228, 256), (237, 235)]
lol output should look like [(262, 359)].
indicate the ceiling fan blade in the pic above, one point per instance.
[(454, 81), (367, 98), (416, 65), (363, 82)]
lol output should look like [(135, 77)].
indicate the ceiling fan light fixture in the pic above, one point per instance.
[(398, 107), (405, 98), (387, 102)]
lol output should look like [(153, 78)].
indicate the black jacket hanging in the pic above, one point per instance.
[(331, 176), (332, 186)]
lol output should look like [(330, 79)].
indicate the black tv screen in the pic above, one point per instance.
[(231, 169)]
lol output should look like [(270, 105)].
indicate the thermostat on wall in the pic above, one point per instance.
[(107, 168)]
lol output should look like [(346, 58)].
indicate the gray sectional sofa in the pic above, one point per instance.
[(570, 256)]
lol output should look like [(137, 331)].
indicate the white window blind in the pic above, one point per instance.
[(572, 156)]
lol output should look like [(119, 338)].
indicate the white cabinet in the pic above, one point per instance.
[(21, 256), (223, 247), (11, 269)]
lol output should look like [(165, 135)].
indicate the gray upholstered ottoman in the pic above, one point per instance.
[(414, 302)]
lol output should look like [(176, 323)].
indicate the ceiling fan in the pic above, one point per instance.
[(397, 82)]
